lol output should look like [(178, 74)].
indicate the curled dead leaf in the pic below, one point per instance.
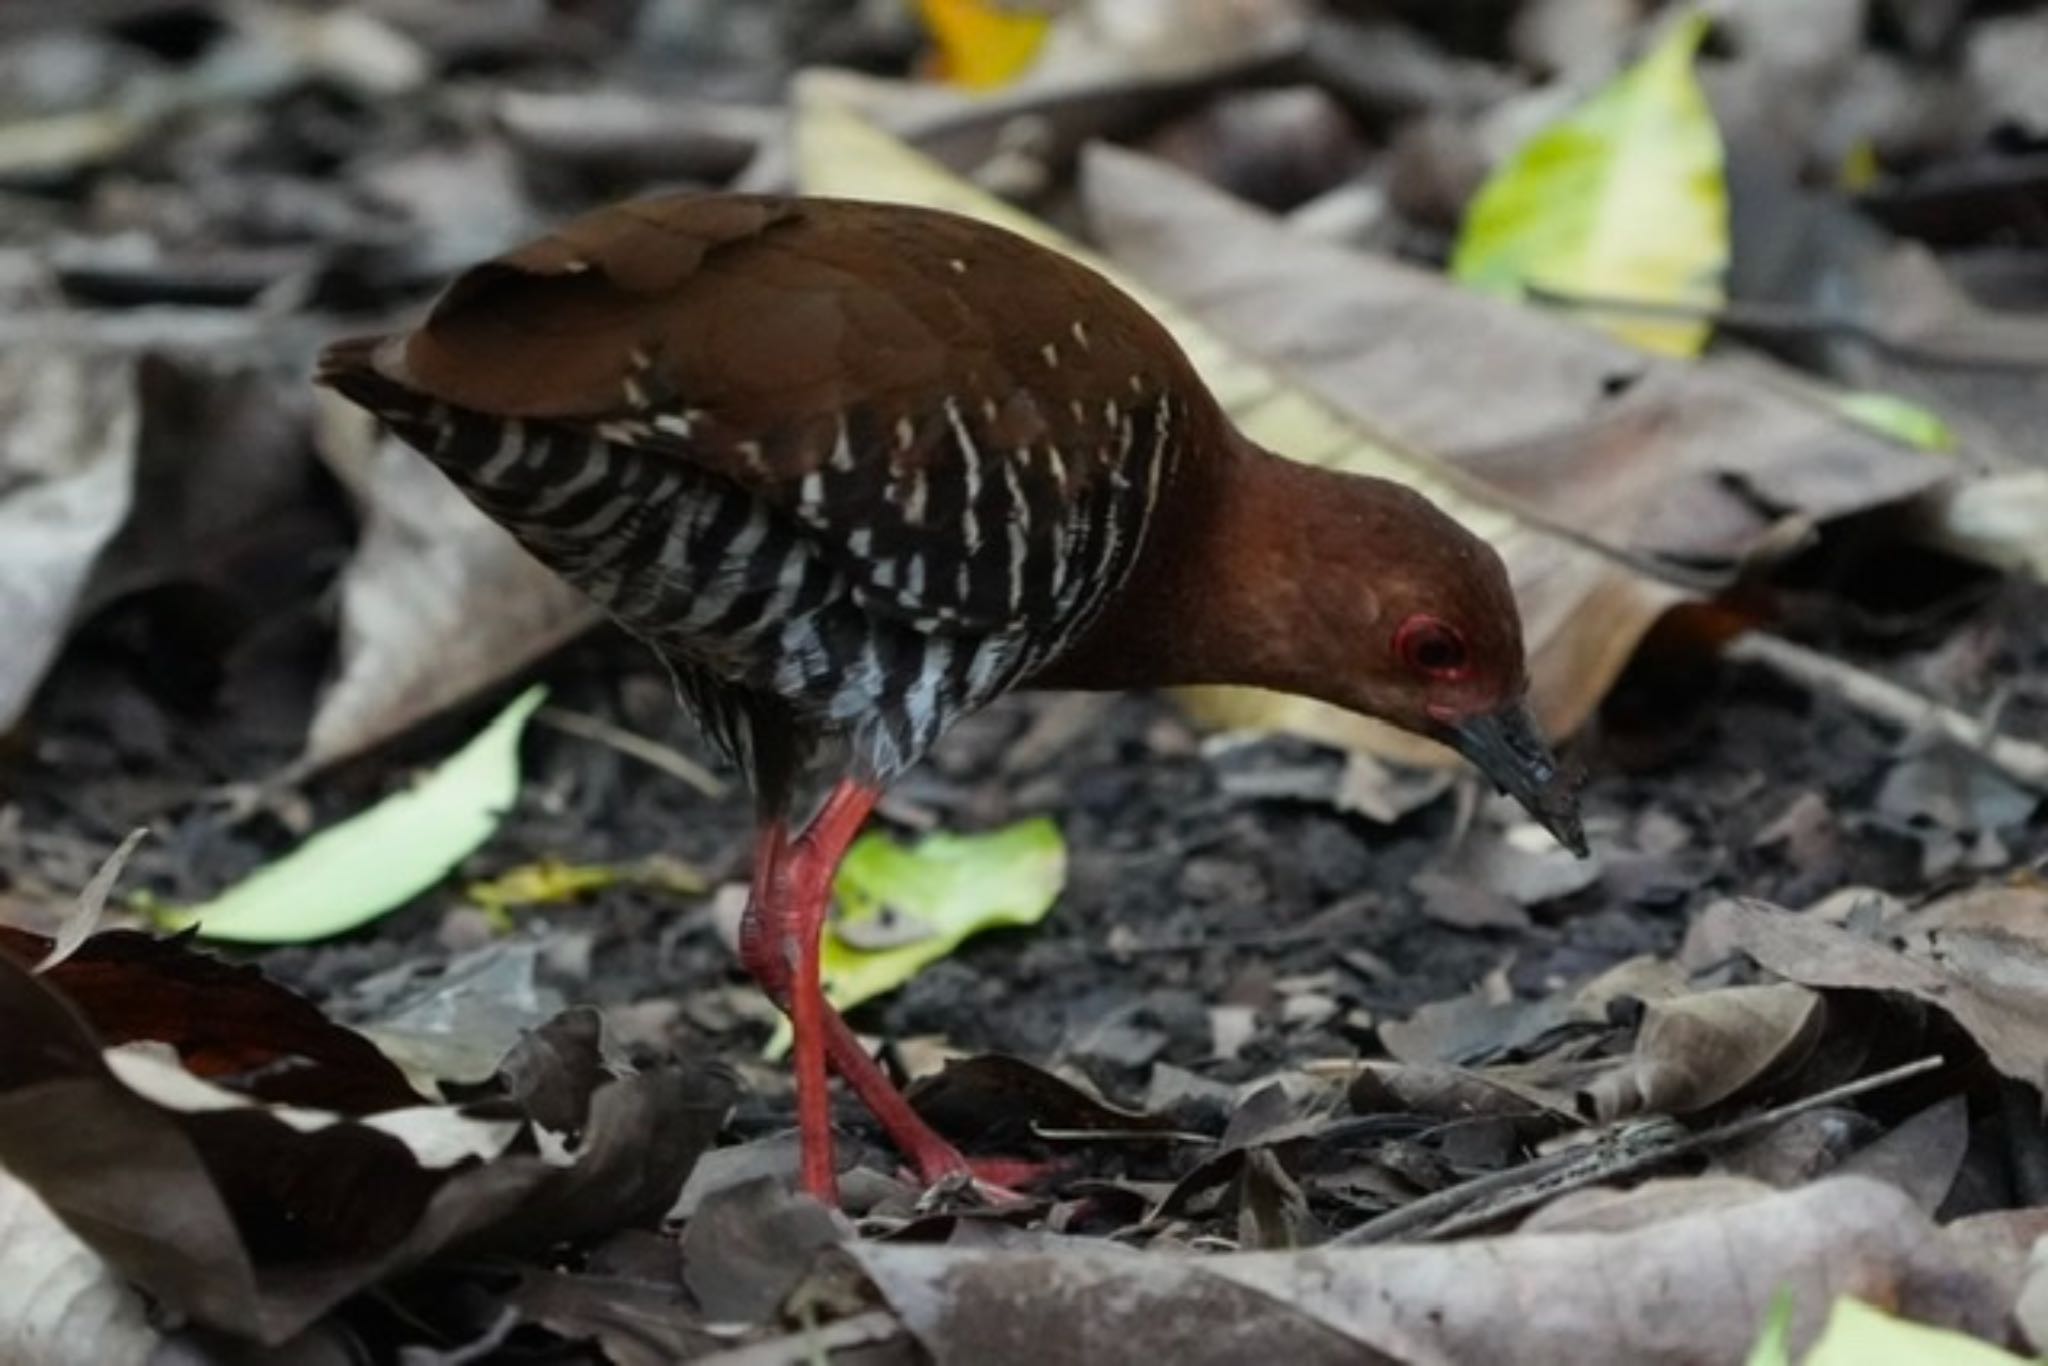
[(1980, 957), (68, 423), (60, 1303), (1696, 1051), (225, 1021), (438, 604), (251, 1219), (1519, 1298)]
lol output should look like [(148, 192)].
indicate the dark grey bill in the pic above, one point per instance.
[(1506, 746)]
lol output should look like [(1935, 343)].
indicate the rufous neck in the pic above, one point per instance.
[(1251, 576)]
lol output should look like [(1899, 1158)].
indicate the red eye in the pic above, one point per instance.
[(1432, 647)]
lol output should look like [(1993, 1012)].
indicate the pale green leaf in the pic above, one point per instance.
[(1858, 1335), (1774, 1344), (349, 874), (1623, 198), (924, 900), (1900, 419)]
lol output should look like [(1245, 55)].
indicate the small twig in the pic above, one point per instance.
[(1447, 1213), (2023, 761), (650, 752)]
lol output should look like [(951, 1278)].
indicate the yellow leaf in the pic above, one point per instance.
[(1860, 169), (550, 882), (1624, 198), (546, 883), (985, 43), (913, 906), (1582, 614)]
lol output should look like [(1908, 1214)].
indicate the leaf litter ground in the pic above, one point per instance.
[(1256, 1022), (1220, 960)]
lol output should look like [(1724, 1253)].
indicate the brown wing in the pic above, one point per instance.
[(973, 426)]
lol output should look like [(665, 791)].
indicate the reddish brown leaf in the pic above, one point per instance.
[(228, 1022)]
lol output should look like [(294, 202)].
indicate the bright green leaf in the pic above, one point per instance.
[(915, 904), (1858, 1335), (348, 875), (1624, 198), (1900, 419)]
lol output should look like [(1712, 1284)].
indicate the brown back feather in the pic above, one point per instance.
[(767, 325)]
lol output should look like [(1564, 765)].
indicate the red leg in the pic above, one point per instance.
[(771, 950), (782, 937), (814, 859)]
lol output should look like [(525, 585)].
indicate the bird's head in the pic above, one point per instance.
[(1442, 656)]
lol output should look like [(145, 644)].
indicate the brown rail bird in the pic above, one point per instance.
[(853, 470)]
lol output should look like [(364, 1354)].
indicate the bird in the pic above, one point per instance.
[(855, 469)]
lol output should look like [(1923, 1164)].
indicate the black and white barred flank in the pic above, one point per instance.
[(908, 575)]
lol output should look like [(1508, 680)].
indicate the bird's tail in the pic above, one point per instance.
[(354, 368)]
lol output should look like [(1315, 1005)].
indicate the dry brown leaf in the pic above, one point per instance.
[(992, 1094), (1096, 39), (1473, 1028), (1685, 462), (2001, 519), (635, 1322), (1608, 1209), (83, 917), (1483, 1024), (1922, 1156), (253, 1219), (1980, 957), (749, 1245), (2032, 1309), (60, 1304), (1695, 1051), (2005, 1248), (1647, 1295), (223, 480), (225, 1021), (1514, 1092), (1797, 1149), (1688, 466), (68, 424), (438, 604), (1515, 858)]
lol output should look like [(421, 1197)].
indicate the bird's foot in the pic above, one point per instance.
[(945, 1172)]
